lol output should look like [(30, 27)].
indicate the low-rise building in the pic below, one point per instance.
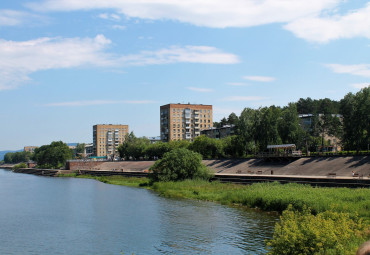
[(307, 122), (30, 148), (220, 132)]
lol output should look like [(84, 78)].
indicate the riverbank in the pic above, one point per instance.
[(265, 196), (338, 218)]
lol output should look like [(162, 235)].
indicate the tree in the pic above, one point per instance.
[(356, 119), (233, 119), (208, 147), (248, 121), (306, 106), (157, 150), (17, 157), (80, 148), (233, 146), (267, 129), (52, 156), (178, 165), (290, 130), (133, 147)]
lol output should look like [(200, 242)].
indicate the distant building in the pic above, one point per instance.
[(154, 139), (334, 142), (30, 148), (107, 138), (184, 121), (89, 148), (219, 133)]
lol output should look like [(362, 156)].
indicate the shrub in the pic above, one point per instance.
[(328, 232), (179, 164), (20, 165)]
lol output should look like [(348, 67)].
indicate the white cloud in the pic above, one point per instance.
[(110, 16), (360, 85), (323, 29), (314, 20), (200, 89), (244, 98), (359, 70), (20, 59), (16, 18), (259, 78), (99, 102), (210, 13), (187, 54)]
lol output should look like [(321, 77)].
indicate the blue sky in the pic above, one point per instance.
[(69, 64)]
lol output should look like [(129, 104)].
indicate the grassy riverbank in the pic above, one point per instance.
[(266, 196), (336, 223)]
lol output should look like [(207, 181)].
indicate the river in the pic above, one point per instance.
[(46, 215)]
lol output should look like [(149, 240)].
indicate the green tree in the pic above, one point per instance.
[(17, 157), (248, 123), (290, 130), (80, 148), (233, 119), (209, 148), (179, 164), (233, 146), (133, 147), (306, 106), (157, 150), (52, 156), (267, 129), (356, 120)]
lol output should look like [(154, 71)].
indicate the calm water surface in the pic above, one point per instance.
[(42, 215)]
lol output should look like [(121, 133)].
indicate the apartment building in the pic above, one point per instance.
[(107, 138), (184, 121)]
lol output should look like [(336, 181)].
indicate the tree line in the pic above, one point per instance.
[(347, 119), (254, 130)]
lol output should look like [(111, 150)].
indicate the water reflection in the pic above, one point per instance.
[(40, 215)]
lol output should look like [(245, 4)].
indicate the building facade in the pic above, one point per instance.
[(30, 148), (107, 138), (184, 121), (219, 133), (334, 143)]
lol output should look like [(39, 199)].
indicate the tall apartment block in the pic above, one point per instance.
[(107, 138), (184, 121)]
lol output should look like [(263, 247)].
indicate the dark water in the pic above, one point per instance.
[(42, 215)]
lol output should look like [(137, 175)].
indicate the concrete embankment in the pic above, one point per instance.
[(321, 171), (306, 166)]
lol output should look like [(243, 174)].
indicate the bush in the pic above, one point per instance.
[(21, 165), (328, 232), (179, 164)]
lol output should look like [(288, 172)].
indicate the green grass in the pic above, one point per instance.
[(272, 196), (266, 196)]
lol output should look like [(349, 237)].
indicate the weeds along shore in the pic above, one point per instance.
[(265, 196), (314, 220)]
